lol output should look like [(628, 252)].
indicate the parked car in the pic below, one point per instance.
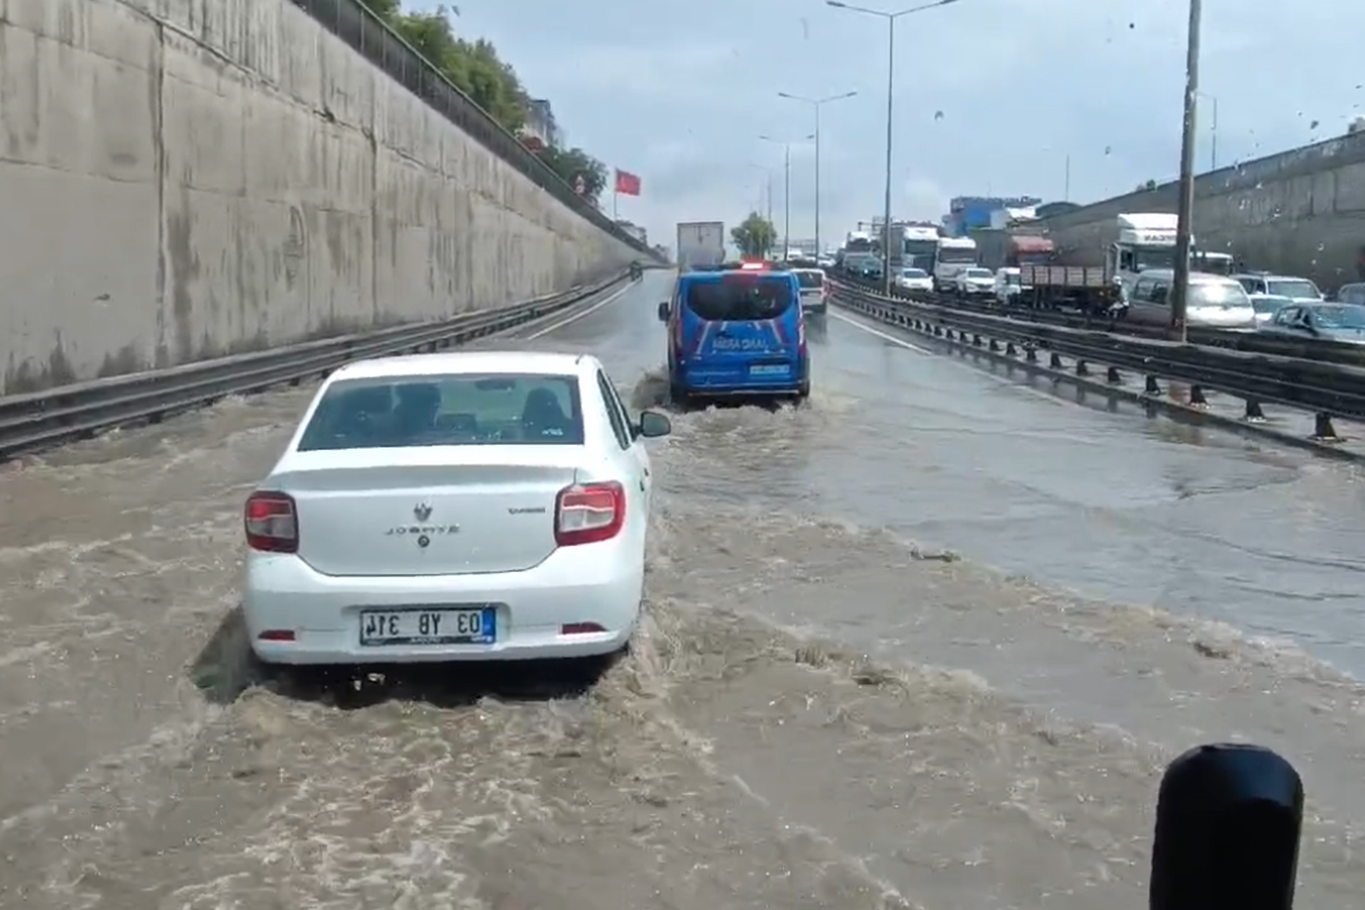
[(486, 506), (975, 282), (914, 281), (1352, 293), (1260, 285), (1342, 322), (1214, 301)]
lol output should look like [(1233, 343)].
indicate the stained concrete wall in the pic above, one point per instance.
[(184, 178), (1301, 212)]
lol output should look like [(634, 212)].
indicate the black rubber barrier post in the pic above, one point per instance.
[(1114, 376), (1254, 412), (1323, 428), (1227, 831)]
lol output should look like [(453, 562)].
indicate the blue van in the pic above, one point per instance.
[(736, 332)]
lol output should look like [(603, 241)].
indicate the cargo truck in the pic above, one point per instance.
[(1012, 248), (919, 244), (1097, 262), (953, 255), (701, 245)]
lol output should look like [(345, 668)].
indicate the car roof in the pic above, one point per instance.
[(1199, 277), (469, 362), (1271, 276)]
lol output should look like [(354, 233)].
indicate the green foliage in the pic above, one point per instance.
[(755, 235), (474, 66), (570, 163)]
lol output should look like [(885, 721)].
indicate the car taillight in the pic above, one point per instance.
[(272, 524), (589, 513)]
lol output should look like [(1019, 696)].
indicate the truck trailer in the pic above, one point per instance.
[(701, 245), (1096, 263)]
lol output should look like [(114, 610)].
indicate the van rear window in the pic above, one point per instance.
[(811, 279), (737, 298)]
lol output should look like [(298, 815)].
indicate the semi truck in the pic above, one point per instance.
[(1097, 262), (701, 245), (953, 255), (920, 246)]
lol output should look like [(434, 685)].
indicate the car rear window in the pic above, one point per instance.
[(811, 279), (451, 410), (739, 297)]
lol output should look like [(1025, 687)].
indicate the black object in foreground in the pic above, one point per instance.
[(1227, 831)]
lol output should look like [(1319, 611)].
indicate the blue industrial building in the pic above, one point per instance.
[(968, 212)]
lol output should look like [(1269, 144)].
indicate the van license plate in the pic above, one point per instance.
[(428, 626), (777, 370)]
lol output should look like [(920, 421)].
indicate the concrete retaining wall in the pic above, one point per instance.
[(1301, 212), (186, 178)]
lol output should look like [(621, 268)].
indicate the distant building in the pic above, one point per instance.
[(540, 129), (968, 212), (1055, 208)]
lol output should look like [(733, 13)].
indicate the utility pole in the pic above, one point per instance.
[(817, 104), (787, 192), (890, 110), (1185, 208)]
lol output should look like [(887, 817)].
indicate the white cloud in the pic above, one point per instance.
[(680, 94)]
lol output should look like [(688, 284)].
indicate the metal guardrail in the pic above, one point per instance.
[(39, 420), (1326, 389), (373, 38), (1254, 342)]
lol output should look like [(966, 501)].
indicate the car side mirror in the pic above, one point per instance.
[(663, 311), (653, 425)]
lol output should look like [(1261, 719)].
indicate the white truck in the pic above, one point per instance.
[(1099, 261), (954, 254), (920, 247), (701, 245)]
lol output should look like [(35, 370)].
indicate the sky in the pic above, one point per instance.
[(1077, 99)]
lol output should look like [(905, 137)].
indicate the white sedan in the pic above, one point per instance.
[(914, 281), (453, 507)]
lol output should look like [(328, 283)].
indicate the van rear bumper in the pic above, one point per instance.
[(734, 381)]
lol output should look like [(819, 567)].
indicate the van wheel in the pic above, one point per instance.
[(678, 396), (803, 391)]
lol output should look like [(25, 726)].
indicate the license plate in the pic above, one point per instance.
[(767, 371), (428, 626)]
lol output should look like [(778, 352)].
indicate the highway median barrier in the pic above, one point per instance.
[(39, 420), (1098, 360)]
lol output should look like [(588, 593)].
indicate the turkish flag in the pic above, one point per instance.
[(627, 184)]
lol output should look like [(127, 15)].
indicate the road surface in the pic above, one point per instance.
[(926, 642)]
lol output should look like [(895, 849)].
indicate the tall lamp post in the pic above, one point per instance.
[(816, 104), (768, 171), (1180, 291), (890, 110), (1213, 128), (786, 188)]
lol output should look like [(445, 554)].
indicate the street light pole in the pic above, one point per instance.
[(1213, 128), (817, 104), (786, 189), (1185, 207), (890, 111)]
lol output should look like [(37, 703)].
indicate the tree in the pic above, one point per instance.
[(474, 66), (569, 164), (1147, 187), (755, 235)]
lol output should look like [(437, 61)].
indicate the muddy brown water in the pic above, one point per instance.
[(926, 642)]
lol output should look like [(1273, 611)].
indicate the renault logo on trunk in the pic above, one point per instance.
[(422, 511)]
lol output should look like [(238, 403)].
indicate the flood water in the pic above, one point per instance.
[(925, 642)]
